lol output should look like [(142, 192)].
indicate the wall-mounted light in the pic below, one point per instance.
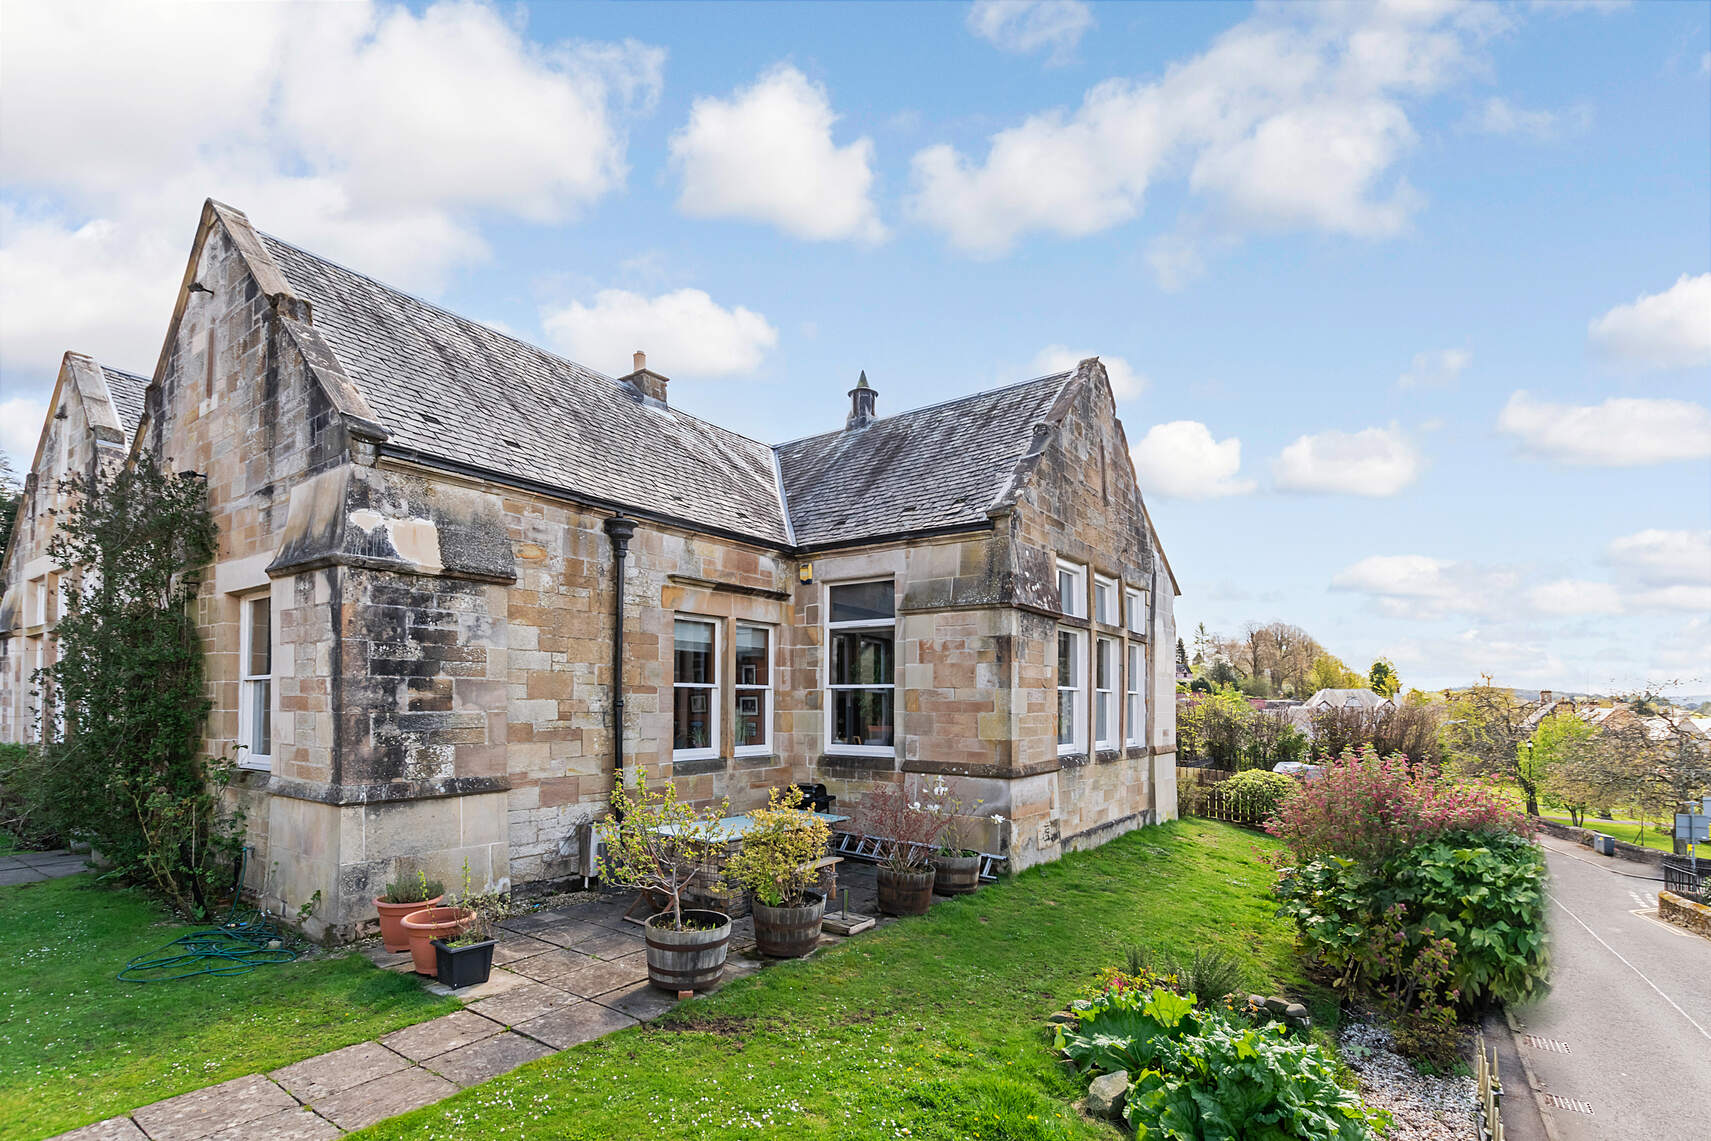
[(805, 572)]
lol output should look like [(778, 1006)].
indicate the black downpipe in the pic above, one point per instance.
[(620, 529)]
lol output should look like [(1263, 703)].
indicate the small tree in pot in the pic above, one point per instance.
[(776, 865), (956, 865), (661, 846), (907, 834), (467, 957)]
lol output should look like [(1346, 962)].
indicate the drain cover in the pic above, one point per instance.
[(1558, 1101), (1550, 1044)]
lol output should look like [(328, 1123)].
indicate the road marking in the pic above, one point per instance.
[(1650, 915), (1550, 1044), (1560, 1102), (1706, 1033), (1642, 901)]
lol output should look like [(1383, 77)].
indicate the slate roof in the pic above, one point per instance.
[(127, 389), (512, 408), (932, 467)]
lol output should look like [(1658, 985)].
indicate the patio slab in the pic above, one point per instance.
[(568, 933), (642, 1001), (20, 873), (514, 947), (498, 982), (601, 975), (574, 1025), (487, 1058), (112, 1129), (193, 1116), (363, 1105), (301, 1124), (448, 1032), (315, 1078), (521, 1003), (551, 964), (607, 944)]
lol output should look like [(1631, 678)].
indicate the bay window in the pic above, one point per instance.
[(694, 689), (1135, 679), (753, 689), (1071, 691), (255, 681), (861, 690), (1104, 693)]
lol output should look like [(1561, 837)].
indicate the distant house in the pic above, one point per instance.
[(1301, 716)]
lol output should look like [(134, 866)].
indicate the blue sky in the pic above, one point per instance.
[(1410, 307)]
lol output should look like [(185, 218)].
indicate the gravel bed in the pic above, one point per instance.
[(1425, 1108)]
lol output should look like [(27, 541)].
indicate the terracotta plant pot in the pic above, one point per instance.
[(956, 875), (789, 932), (905, 893), (392, 915), (429, 923), (687, 960)]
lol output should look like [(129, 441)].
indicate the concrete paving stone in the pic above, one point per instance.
[(602, 975), (550, 964), (498, 982), (611, 944), (315, 1078), (64, 865), (300, 1124), (521, 1003), (642, 1001), (192, 1116), (11, 877), (573, 1025), (112, 1129), (448, 1032), (512, 948), (487, 1058), (386, 960), (567, 933), (529, 924), (363, 1105)]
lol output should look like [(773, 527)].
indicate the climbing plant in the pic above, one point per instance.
[(123, 705)]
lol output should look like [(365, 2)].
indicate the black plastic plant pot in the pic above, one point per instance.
[(464, 966)]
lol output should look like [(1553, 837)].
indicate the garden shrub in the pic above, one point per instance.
[(1257, 793), (1481, 893), (24, 813), (1210, 972), (1197, 1073), (1368, 808)]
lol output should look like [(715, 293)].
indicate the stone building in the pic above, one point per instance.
[(410, 625)]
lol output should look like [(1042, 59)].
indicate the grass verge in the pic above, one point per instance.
[(930, 1028), (1621, 828), (76, 1046)]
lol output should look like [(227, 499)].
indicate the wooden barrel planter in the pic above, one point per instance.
[(429, 923), (905, 893), (789, 932), (957, 875), (692, 959), (392, 934)]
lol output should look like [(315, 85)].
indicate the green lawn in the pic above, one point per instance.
[(931, 1028), (76, 1046), (1622, 828)]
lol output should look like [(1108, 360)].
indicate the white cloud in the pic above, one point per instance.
[(1498, 116), (1372, 462), (1665, 330), (21, 421), (1570, 597), (1181, 460), (1437, 369), (685, 333), (1293, 119), (370, 132), (1663, 558), (1126, 382), (1023, 26), (766, 154), (1621, 432)]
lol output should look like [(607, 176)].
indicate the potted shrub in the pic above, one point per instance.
[(776, 865), (956, 866), (658, 845), (467, 958), (427, 924), (402, 896), (907, 835)]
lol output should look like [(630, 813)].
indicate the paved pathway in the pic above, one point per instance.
[(1622, 1044), (33, 867), (560, 978)]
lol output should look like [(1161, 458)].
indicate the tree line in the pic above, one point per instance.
[(1278, 659)]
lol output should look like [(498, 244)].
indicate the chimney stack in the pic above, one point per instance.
[(1544, 697), (862, 398), (646, 381)]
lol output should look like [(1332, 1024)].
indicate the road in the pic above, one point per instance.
[(1621, 1047)]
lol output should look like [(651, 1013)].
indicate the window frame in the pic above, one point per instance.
[(248, 758), (1135, 610), (739, 688), (1107, 616), (715, 695), (1104, 653), (1134, 693), (1078, 700), (1078, 573), (832, 746)]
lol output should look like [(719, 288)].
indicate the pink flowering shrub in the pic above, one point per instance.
[(1368, 808)]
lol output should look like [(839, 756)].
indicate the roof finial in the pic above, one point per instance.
[(862, 398), (862, 383)]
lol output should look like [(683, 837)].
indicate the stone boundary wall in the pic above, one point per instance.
[(1583, 837), (1696, 917)]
